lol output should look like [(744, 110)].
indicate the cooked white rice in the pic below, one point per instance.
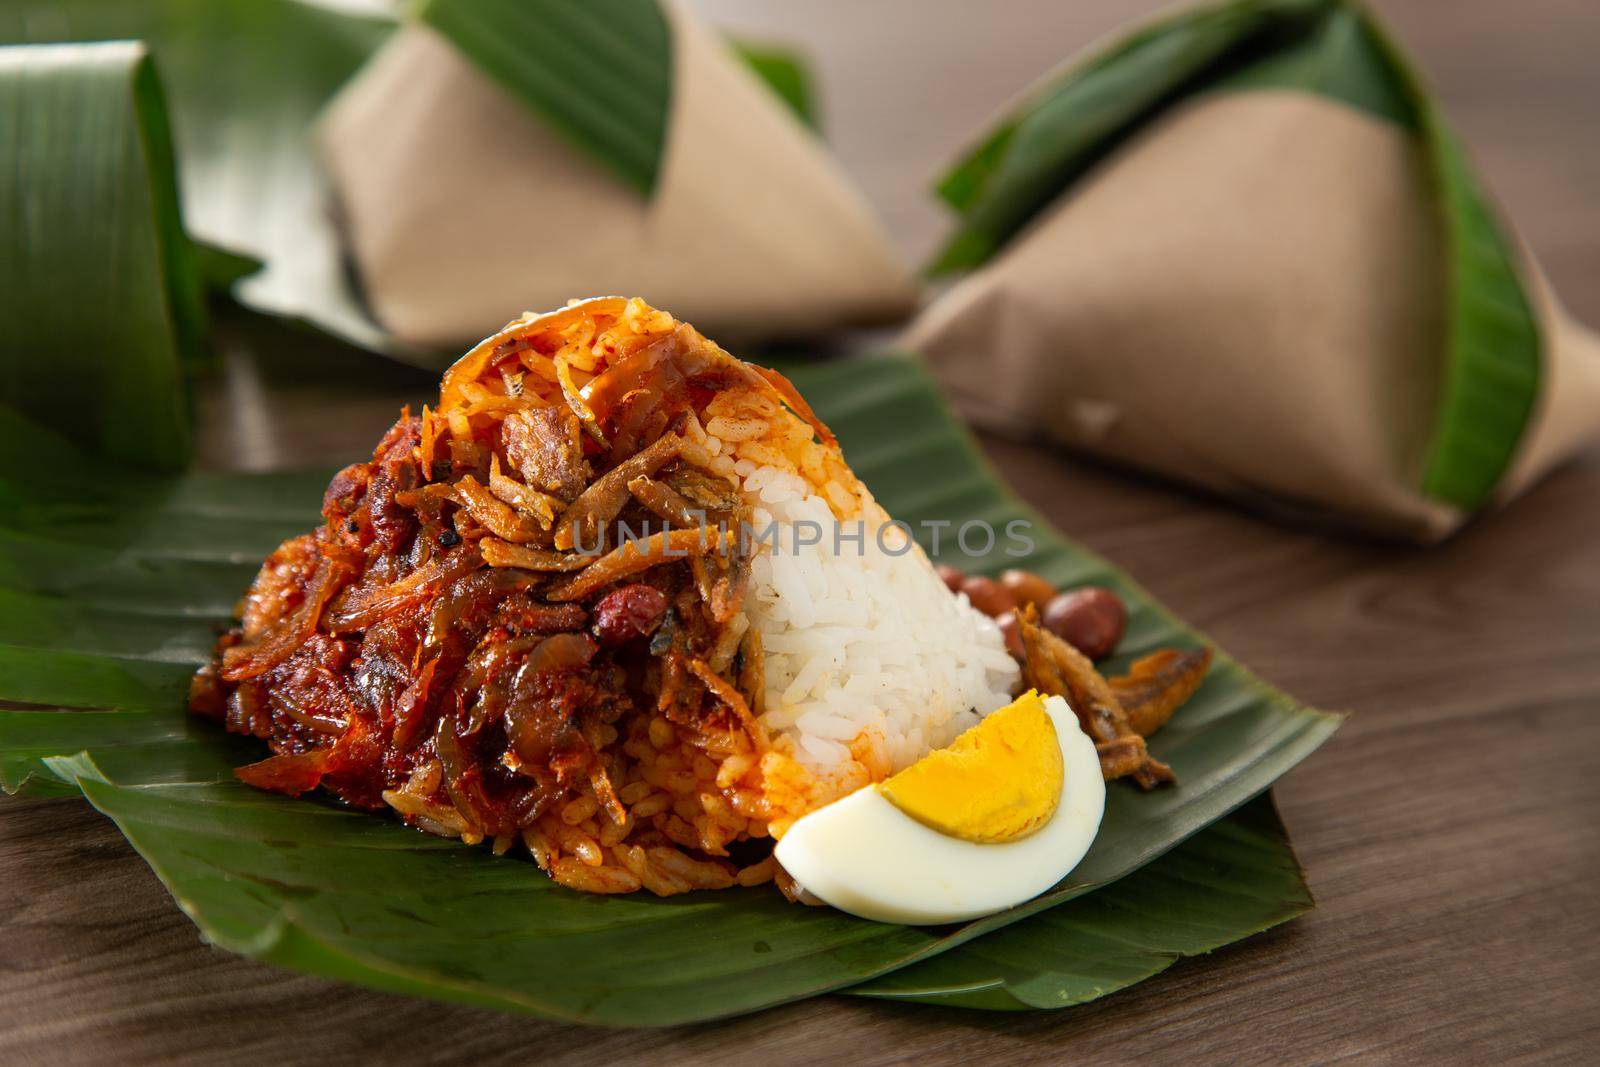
[(863, 641)]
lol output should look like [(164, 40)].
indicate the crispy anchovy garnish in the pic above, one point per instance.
[(583, 521), (722, 581), (711, 492), (752, 671), (1158, 684), (725, 693), (725, 649), (528, 501), (727, 598), (667, 502), (498, 553), (635, 556), (701, 570), (1055, 668), (494, 514), (481, 503), (1121, 757)]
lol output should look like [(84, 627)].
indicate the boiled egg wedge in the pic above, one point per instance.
[(996, 818)]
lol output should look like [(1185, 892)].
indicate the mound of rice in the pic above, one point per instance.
[(842, 659), (869, 661)]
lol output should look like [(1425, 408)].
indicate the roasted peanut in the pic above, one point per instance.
[(630, 612), (1092, 620), (989, 596), (1028, 587)]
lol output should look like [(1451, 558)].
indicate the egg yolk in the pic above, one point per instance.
[(999, 781)]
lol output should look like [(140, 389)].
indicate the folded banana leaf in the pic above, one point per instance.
[(112, 586), (247, 79), (92, 252)]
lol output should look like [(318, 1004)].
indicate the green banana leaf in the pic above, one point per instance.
[(247, 79), (1333, 48), (113, 588), (93, 255), (600, 73), (786, 73), (1236, 877)]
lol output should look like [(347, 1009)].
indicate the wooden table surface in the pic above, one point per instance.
[(1451, 829)]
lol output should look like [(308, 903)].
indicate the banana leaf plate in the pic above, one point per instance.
[(113, 584)]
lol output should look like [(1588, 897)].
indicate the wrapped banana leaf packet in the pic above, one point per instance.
[(1241, 248), (491, 156)]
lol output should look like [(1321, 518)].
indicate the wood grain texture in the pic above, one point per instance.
[(1451, 830)]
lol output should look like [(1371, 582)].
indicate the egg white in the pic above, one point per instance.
[(865, 856)]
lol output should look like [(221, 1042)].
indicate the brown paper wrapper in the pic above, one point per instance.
[(461, 208), (1247, 296)]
